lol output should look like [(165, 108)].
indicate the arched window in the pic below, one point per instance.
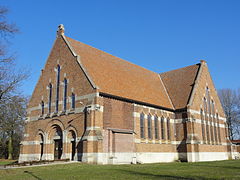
[(156, 127), (57, 87), (162, 128), (215, 130), (206, 119), (142, 126), (203, 126), (149, 126), (42, 107), (208, 101), (218, 127), (205, 107), (213, 108), (50, 98), (73, 101), (65, 95), (168, 129), (41, 145)]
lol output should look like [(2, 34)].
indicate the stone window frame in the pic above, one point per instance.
[(73, 101), (50, 98), (142, 125), (42, 108), (149, 120), (156, 127), (65, 87), (203, 126), (58, 70), (168, 129), (162, 128)]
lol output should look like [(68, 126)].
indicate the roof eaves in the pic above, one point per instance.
[(134, 101)]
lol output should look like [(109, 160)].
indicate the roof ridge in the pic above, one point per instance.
[(179, 68)]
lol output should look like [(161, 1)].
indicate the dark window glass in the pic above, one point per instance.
[(149, 126), (208, 101), (219, 132), (156, 127), (73, 101), (57, 89), (65, 95), (203, 126), (142, 126), (168, 129), (162, 128), (50, 98), (42, 104)]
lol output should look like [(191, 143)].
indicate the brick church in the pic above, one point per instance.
[(93, 107)]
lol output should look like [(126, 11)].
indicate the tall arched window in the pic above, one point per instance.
[(50, 98), (205, 107), (206, 119), (218, 127), (156, 125), (142, 126), (73, 101), (41, 145), (208, 101), (42, 107), (57, 87), (203, 126), (214, 122), (149, 126), (168, 129), (213, 108), (162, 128), (65, 95)]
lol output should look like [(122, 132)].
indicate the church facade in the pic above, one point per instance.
[(93, 107)]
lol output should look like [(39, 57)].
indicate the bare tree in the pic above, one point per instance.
[(10, 78), (230, 102), (12, 105), (12, 115)]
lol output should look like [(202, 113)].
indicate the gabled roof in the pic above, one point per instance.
[(179, 84), (117, 77)]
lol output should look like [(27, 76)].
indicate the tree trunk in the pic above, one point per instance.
[(10, 148)]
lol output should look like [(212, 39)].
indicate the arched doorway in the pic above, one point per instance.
[(41, 146), (58, 142), (73, 144)]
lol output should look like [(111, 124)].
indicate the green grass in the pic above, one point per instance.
[(5, 161), (173, 171)]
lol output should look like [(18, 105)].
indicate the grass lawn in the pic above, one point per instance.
[(173, 171), (6, 161)]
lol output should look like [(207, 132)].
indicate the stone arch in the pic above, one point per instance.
[(52, 123), (54, 139), (40, 143), (72, 142)]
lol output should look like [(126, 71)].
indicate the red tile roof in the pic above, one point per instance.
[(179, 84), (118, 77)]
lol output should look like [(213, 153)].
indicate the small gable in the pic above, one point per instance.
[(205, 93), (179, 84)]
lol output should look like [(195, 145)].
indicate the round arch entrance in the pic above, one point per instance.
[(73, 144), (41, 146), (58, 142)]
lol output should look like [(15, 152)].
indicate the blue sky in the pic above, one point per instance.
[(159, 35)]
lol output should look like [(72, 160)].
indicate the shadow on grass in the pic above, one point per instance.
[(161, 176), (31, 174)]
